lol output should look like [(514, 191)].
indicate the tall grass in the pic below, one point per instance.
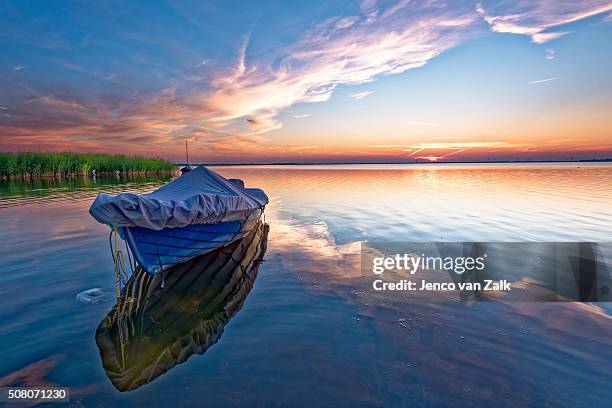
[(58, 164)]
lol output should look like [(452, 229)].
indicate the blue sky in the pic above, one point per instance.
[(309, 81)]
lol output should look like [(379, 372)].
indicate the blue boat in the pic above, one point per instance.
[(192, 215)]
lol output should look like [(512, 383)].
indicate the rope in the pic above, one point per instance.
[(119, 263)]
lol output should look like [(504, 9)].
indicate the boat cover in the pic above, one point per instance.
[(200, 196)]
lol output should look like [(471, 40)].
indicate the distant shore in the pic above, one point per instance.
[(609, 160), (68, 164)]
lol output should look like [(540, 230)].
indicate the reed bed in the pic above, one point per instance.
[(68, 164)]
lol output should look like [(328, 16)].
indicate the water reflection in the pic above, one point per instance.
[(547, 202), (18, 192), (153, 329)]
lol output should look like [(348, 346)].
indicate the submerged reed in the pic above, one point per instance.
[(66, 164)]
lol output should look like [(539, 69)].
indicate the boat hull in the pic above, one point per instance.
[(156, 251)]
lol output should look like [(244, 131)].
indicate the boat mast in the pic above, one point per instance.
[(186, 152)]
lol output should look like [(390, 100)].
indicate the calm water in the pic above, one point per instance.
[(311, 331)]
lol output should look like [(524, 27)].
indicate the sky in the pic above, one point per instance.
[(317, 81)]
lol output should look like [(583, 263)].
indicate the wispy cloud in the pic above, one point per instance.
[(297, 148), (360, 95), (456, 148), (430, 158), (550, 54), (375, 44), (539, 81), (463, 145), (539, 19), (301, 116), (389, 146)]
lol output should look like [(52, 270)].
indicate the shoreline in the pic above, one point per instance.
[(30, 176), (32, 165)]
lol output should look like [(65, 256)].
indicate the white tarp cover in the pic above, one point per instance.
[(200, 196)]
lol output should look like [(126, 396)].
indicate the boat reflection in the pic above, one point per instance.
[(156, 325)]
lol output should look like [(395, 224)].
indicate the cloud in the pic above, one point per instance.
[(346, 22), (550, 54), (202, 63), (430, 158), (301, 116), (389, 146), (539, 81), (453, 148), (463, 145), (294, 148), (327, 56), (538, 19), (232, 104), (456, 148), (541, 38), (360, 95), (369, 10)]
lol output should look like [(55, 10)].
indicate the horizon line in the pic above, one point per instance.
[(605, 160)]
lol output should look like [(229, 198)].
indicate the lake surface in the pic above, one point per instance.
[(311, 330)]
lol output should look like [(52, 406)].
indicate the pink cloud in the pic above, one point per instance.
[(536, 18)]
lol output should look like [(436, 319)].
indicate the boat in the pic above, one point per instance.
[(196, 213), (149, 330)]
